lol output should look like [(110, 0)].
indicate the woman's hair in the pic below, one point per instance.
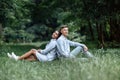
[(58, 33), (61, 27)]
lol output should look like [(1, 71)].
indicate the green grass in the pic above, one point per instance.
[(105, 67)]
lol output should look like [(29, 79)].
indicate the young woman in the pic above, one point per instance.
[(63, 45), (48, 54)]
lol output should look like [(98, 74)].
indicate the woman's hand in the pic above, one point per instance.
[(39, 50)]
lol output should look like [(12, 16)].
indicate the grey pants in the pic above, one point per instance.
[(78, 49)]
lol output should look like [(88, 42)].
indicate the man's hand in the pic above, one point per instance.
[(85, 48)]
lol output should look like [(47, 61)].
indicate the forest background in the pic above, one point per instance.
[(26, 21)]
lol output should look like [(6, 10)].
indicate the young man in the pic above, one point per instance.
[(63, 45)]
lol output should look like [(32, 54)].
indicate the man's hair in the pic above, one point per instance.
[(61, 27)]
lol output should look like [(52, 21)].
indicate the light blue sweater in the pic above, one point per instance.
[(63, 46), (50, 50)]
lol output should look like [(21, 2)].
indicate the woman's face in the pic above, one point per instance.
[(64, 31), (55, 35)]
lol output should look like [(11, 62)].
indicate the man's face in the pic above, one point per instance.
[(55, 35), (64, 31)]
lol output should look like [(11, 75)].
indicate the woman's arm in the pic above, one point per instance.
[(49, 47)]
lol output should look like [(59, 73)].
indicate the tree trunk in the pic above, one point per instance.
[(89, 23), (0, 30), (91, 30), (100, 35), (106, 32), (114, 30)]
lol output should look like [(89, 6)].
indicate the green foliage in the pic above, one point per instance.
[(40, 31), (76, 37), (63, 17), (25, 36), (8, 34), (15, 13), (47, 15), (11, 35)]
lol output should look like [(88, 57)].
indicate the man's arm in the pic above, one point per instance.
[(72, 43)]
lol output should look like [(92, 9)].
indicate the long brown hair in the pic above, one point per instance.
[(58, 33)]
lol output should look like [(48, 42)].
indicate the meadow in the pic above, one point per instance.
[(106, 66)]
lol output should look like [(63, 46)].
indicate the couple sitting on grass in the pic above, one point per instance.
[(58, 47)]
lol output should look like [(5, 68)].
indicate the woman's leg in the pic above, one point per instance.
[(31, 58), (41, 57), (28, 54)]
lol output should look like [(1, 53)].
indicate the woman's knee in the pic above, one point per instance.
[(33, 50)]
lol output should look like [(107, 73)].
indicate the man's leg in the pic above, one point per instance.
[(88, 54), (76, 51)]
